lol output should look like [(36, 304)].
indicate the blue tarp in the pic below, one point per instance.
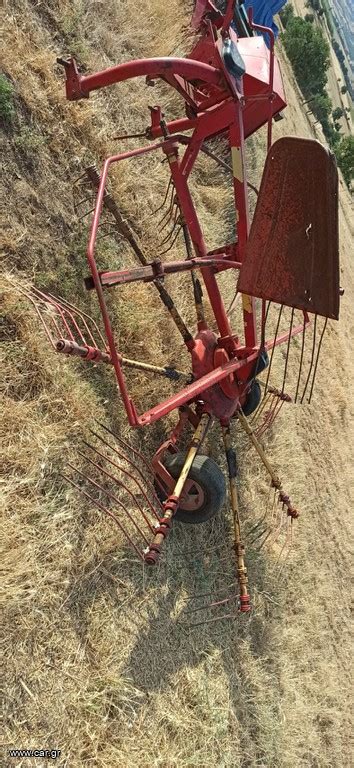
[(263, 12)]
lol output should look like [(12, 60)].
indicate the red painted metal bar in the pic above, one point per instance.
[(68, 347), (159, 269), (200, 385), (79, 86), (196, 234), (191, 153), (211, 122), (228, 16), (197, 387), (237, 144), (270, 33), (174, 126), (131, 413), (201, 8)]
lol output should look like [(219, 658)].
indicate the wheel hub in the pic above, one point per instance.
[(206, 356), (193, 496)]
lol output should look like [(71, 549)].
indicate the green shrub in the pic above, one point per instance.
[(7, 109), (29, 140), (321, 106), (309, 54), (286, 14), (345, 158)]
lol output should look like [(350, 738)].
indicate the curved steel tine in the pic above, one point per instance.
[(272, 354), (233, 303), (126, 472), (171, 204), (77, 205), (83, 315), (147, 482), (317, 357), (130, 493), (170, 216), (277, 410), (31, 296), (265, 530), (301, 358), (71, 316), (132, 450), (53, 301), (162, 253), (266, 425), (286, 546), (270, 417), (122, 469), (256, 525), (105, 510), (265, 399), (169, 236), (274, 505), (153, 213), (288, 349), (174, 219), (209, 594), (264, 516), (82, 176), (111, 233), (277, 530), (86, 214), (261, 544), (312, 358), (209, 621), (268, 400), (202, 552), (159, 223), (215, 604), (265, 313)]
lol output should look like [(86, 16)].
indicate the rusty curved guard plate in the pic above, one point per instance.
[(292, 256)]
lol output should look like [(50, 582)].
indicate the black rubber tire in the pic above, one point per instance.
[(253, 399), (209, 476)]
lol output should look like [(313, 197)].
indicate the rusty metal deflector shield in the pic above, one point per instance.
[(292, 255)]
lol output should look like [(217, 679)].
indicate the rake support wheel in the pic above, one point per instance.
[(205, 488), (253, 398)]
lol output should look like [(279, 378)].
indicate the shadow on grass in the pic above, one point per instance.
[(154, 605)]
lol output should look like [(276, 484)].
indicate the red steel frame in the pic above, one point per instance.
[(247, 355), (219, 101)]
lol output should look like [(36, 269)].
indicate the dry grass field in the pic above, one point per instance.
[(97, 663)]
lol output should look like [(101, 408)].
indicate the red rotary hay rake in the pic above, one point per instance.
[(286, 261)]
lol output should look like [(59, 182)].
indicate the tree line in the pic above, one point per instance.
[(309, 54)]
